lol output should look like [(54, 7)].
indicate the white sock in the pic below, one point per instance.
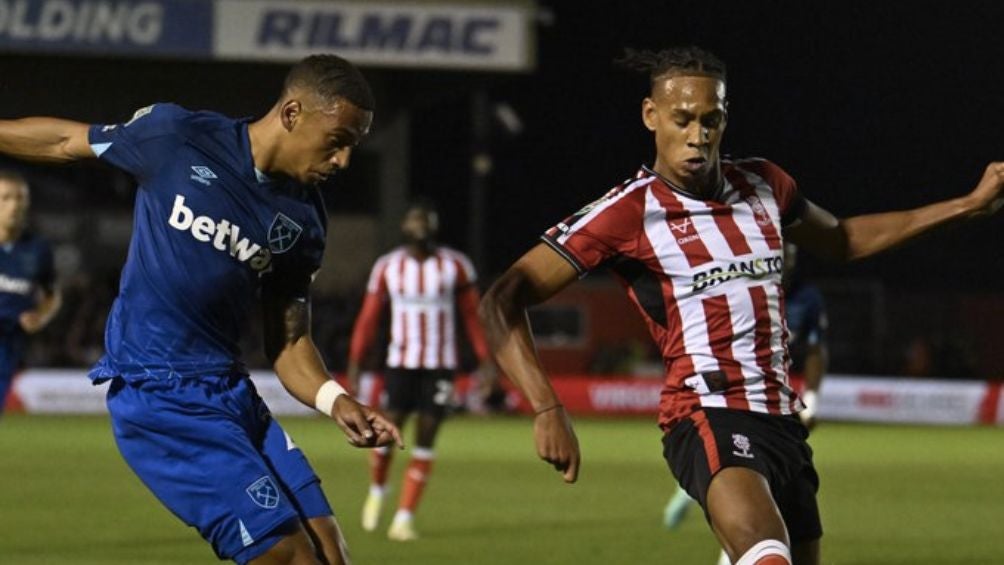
[(402, 516), (376, 490), (763, 549), (723, 559)]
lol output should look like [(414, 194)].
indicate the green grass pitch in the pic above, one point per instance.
[(890, 495)]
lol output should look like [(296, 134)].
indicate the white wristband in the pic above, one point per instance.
[(326, 396)]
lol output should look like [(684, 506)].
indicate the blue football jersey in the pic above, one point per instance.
[(207, 226), (25, 268), (805, 316)]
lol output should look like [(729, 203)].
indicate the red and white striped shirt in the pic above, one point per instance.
[(706, 276), (424, 295)]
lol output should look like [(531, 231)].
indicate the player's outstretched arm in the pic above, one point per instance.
[(863, 236), (537, 276), (49, 304), (299, 367), (468, 300), (45, 140)]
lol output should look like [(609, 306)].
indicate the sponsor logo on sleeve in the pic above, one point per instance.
[(139, 114)]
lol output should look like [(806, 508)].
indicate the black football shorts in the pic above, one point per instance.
[(427, 391), (712, 439)]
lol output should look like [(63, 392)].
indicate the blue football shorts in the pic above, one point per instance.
[(210, 450)]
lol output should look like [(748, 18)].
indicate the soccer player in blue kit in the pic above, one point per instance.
[(225, 209), (29, 298)]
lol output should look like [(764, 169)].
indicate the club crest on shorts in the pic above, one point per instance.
[(283, 233), (264, 493), (742, 446)]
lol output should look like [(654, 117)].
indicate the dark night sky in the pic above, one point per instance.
[(871, 106)]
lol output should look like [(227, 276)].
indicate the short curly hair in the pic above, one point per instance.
[(690, 60)]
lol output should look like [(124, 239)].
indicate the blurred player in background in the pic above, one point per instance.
[(426, 285), (225, 209), (698, 244), (806, 321), (29, 298)]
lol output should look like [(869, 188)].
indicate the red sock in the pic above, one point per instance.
[(772, 560), (379, 465), (414, 479)]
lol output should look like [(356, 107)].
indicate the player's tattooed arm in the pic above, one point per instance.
[(296, 319), (286, 321), (286, 312), (45, 140), (298, 364)]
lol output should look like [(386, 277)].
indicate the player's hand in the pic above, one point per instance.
[(809, 421), (364, 426), (987, 196), (810, 398), (556, 442), (31, 322)]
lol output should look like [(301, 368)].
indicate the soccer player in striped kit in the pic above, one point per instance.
[(427, 285), (806, 321), (697, 242), (29, 297)]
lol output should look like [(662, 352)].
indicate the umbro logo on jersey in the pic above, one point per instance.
[(222, 235), (203, 174)]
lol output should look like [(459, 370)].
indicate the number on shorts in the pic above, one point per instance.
[(443, 391)]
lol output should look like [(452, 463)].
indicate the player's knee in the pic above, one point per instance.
[(741, 530), (742, 510)]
